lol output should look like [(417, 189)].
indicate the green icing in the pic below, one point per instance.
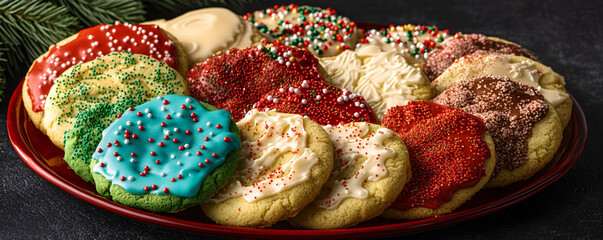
[(165, 146)]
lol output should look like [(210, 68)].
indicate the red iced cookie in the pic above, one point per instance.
[(447, 153), (322, 103), (235, 79)]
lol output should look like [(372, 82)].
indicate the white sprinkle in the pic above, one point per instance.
[(132, 160), (275, 100), (356, 115), (179, 163), (179, 114), (208, 124), (116, 132), (129, 123), (149, 115), (188, 100), (147, 110), (282, 90), (187, 145), (172, 156), (119, 158), (127, 141), (291, 89), (131, 178), (318, 97), (167, 132), (211, 134), (187, 154), (163, 108), (176, 130), (304, 101), (139, 122), (325, 91), (121, 128), (162, 174)]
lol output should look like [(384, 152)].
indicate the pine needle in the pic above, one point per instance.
[(95, 12), (180, 6)]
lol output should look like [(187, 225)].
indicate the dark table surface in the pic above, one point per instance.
[(566, 35)]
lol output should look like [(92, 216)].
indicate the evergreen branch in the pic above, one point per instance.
[(180, 6), (28, 28), (95, 12)]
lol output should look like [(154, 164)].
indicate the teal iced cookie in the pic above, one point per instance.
[(166, 155)]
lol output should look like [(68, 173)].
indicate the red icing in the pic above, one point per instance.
[(234, 80), (94, 42), (447, 151), (309, 98)]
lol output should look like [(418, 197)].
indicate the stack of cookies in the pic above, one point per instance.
[(294, 113)]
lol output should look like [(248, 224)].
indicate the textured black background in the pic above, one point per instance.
[(566, 35)]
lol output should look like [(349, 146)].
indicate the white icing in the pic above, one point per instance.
[(206, 31), (524, 72), (384, 79), (357, 152), (279, 135)]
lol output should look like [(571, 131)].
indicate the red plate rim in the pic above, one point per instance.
[(23, 146)]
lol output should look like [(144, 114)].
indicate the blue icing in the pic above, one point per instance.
[(179, 168)]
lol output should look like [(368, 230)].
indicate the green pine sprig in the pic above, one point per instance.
[(180, 6), (28, 28), (3, 50), (95, 12)]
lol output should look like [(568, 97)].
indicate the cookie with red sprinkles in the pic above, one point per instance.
[(462, 45), (285, 160), (371, 167), (93, 42), (236, 79), (451, 155), (166, 155), (319, 101)]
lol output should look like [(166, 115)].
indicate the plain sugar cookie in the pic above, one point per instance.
[(285, 160), (371, 167)]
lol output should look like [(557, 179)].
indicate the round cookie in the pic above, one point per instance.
[(107, 79), (206, 31), (322, 31), (89, 44), (285, 160), (451, 155), (413, 42), (462, 45), (371, 167), (165, 155), (319, 101), (384, 79), (236, 79), (518, 69), (526, 131)]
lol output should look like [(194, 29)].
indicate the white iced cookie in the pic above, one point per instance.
[(371, 168), (414, 42), (519, 69), (384, 79), (206, 31), (321, 31), (285, 160)]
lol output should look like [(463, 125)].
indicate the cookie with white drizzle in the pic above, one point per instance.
[(285, 160), (371, 168)]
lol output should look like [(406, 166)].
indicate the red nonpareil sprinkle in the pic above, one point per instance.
[(139, 114), (168, 116), (447, 151), (319, 101), (154, 186), (153, 153), (102, 165), (157, 161), (161, 144), (166, 102), (226, 139), (108, 144), (163, 124), (100, 150), (188, 132), (146, 188), (166, 190), (218, 126), (151, 140)]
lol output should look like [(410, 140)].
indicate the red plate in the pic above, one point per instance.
[(44, 158)]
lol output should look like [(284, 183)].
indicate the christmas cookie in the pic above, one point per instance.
[(285, 160), (165, 155), (526, 131), (107, 79), (517, 68), (462, 45), (414, 42), (89, 44), (321, 31), (371, 167), (236, 79), (451, 155), (384, 79), (320, 102), (206, 31)]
